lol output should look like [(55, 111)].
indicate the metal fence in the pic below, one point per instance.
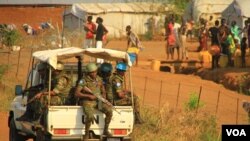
[(224, 104)]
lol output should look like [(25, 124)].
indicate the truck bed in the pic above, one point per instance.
[(69, 121)]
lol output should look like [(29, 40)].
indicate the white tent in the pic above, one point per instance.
[(116, 16), (206, 8), (239, 11)]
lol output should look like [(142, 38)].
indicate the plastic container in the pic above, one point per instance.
[(223, 61), (132, 57), (247, 61), (214, 50), (237, 61), (237, 53), (155, 65), (205, 57)]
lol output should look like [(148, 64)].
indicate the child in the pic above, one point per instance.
[(243, 45), (231, 48)]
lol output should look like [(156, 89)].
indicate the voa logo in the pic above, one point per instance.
[(236, 132)]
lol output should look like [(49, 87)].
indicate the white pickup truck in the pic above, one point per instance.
[(67, 122)]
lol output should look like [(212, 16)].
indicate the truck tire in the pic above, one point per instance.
[(41, 136), (13, 132)]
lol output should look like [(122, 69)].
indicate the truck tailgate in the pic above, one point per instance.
[(69, 121)]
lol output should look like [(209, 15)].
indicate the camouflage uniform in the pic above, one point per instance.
[(116, 86), (106, 84), (61, 85), (90, 105)]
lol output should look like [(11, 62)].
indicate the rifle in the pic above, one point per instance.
[(33, 91), (101, 99)]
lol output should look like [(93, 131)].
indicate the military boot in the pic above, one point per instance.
[(87, 127), (138, 119), (106, 131), (86, 136)]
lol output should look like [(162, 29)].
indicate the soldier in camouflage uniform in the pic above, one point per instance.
[(32, 91), (60, 87), (122, 97), (90, 84), (105, 72)]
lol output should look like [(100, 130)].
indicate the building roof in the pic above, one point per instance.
[(52, 2), (242, 7), (208, 7), (97, 8)]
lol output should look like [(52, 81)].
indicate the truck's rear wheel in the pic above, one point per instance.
[(41, 136), (13, 133)]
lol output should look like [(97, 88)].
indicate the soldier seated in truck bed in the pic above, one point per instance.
[(60, 88)]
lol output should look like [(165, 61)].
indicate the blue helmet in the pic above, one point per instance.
[(121, 66), (106, 67)]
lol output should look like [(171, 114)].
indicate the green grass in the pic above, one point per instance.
[(6, 92), (3, 69), (193, 103), (169, 125), (7, 95)]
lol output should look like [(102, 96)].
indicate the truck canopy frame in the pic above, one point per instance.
[(52, 56)]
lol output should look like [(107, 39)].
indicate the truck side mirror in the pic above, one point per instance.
[(18, 90)]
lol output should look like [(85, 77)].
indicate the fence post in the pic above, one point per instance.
[(145, 88), (217, 104), (160, 95), (18, 61), (178, 93), (198, 99), (31, 52), (8, 66), (237, 111)]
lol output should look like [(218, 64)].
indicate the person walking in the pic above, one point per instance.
[(183, 41), (214, 49), (178, 45), (235, 30), (171, 41), (243, 48), (90, 29), (231, 47), (189, 25), (223, 33), (203, 36), (86, 90), (121, 96), (133, 44), (101, 32), (248, 32)]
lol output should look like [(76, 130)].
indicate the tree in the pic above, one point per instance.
[(10, 37)]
